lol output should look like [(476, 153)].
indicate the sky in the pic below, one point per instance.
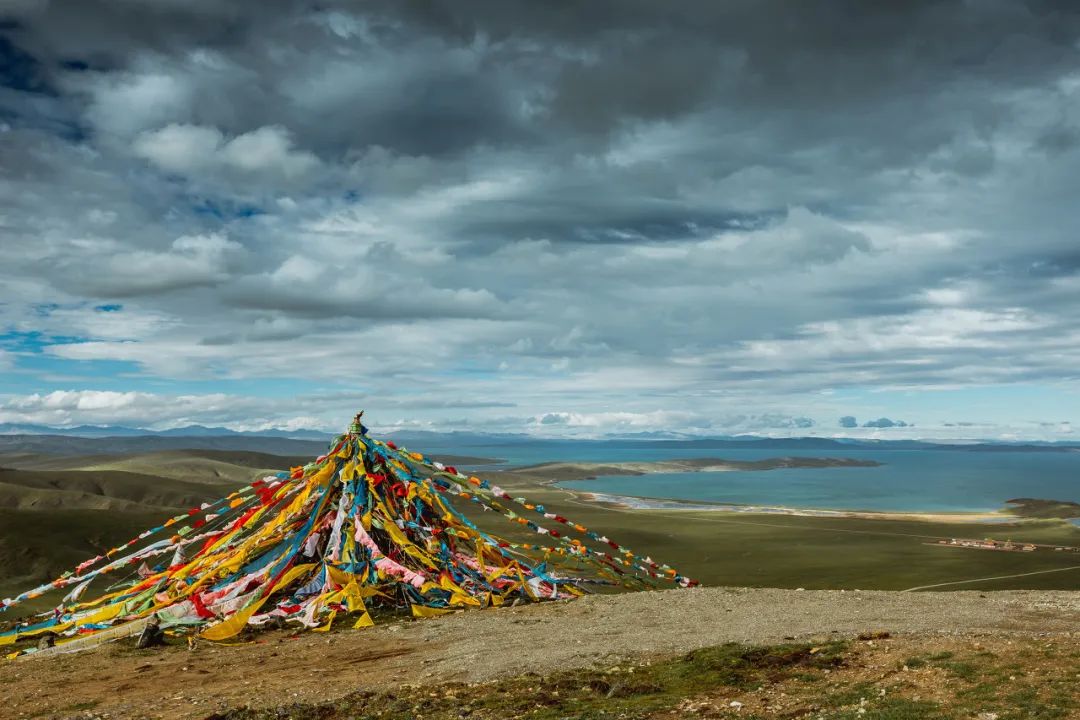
[(566, 219)]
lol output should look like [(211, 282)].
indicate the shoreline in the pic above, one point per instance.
[(637, 503), (554, 474), (561, 470)]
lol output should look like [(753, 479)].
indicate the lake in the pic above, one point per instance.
[(908, 480)]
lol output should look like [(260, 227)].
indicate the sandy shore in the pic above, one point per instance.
[(561, 471), (553, 473), (628, 502)]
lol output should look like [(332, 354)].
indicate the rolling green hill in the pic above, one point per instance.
[(69, 508), (36, 547), (101, 490), (196, 466)]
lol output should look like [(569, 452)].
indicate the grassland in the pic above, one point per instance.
[(57, 511), (197, 466), (1034, 507), (36, 547), (720, 548)]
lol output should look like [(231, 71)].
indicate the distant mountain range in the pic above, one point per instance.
[(682, 440), (21, 437)]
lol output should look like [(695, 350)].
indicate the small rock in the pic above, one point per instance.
[(151, 635)]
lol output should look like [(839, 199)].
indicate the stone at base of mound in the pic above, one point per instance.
[(92, 641)]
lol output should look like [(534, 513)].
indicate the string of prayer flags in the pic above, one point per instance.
[(368, 525)]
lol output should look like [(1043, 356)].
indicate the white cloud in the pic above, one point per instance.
[(125, 104), (67, 408), (190, 261), (268, 149), (922, 331), (198, 150), (70, 407), (179, 148), (88, 321)]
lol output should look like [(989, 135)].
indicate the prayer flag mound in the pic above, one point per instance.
[(367, 525)]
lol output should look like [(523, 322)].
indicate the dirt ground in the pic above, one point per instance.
[(273, 669)]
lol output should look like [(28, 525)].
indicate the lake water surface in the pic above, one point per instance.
[(907, 480)]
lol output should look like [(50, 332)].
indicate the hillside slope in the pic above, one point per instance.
[(208, 466), (101, 490), (51, 520)]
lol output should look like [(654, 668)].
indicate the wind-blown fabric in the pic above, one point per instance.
[(367, 524)]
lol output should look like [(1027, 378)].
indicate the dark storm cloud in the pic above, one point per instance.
[(462, 66), (337, 83), (19, 70), (570, 207)]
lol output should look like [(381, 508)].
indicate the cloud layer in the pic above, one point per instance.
[(705, 217)]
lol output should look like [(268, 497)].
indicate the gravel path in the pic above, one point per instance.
[(552, 636), (116, 681)]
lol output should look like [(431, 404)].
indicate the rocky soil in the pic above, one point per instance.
[(270, 670)]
